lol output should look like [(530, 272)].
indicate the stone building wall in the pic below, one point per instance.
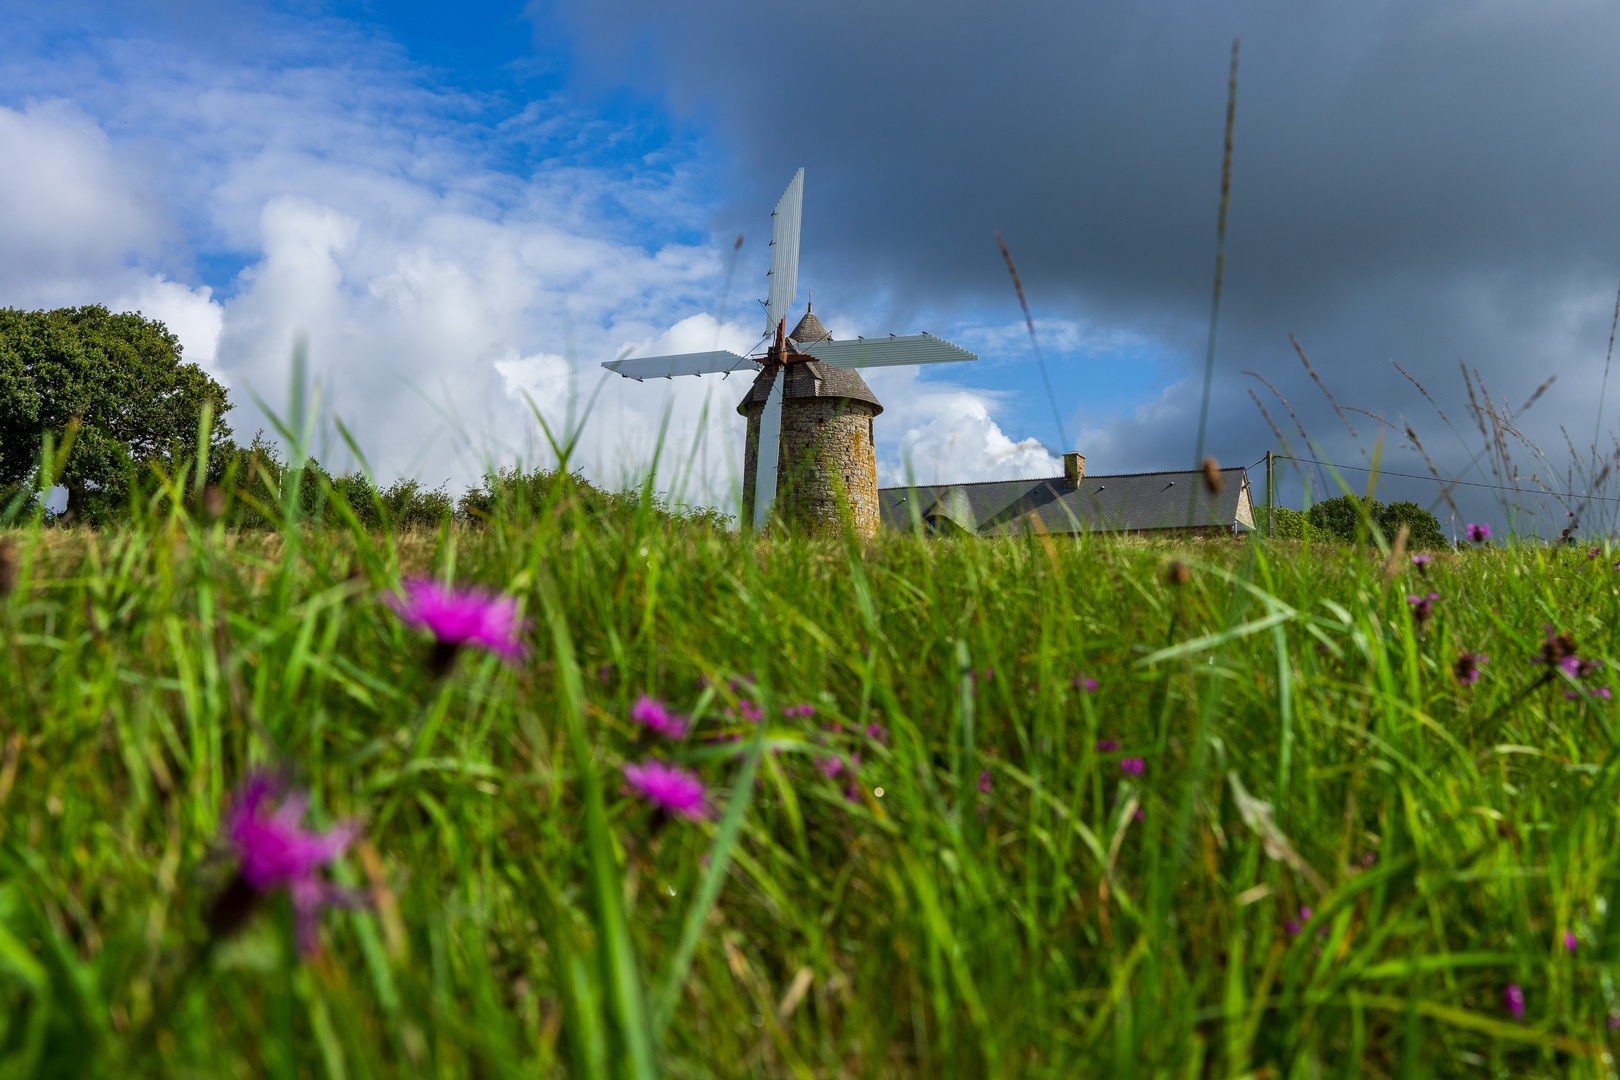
[(826, 444)]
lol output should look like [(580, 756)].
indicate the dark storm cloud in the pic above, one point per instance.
[(1415, 180)]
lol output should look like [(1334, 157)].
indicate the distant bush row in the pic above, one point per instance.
[(1345, 519)]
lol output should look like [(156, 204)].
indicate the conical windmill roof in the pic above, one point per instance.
[(810, 329), (812, 379)]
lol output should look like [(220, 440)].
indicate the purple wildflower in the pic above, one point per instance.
[(656, 715), (1139, 815), (1422, 607), (274, 852), (878, 733), (1614, 1021), (1513, 998), (1369, 859), (1467, 667), (470, 617), (1089, 685), (1107, 746), (1133, 766), (1601, 693), (1592, 553), (984, 781), (799, 710), (1294, 926), (830, 766), (1570, 944), (750, 712), (1479, 533), (671, 789), (1422, 560), (1556, 649)]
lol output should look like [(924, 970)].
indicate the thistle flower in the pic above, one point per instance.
[(1479, 533), (984, 782), (1422, 560), (799, 710), (1089, 685), (274, 852), (1513, 999), (1107, 746), (878, 733), (1133, 766), (470, 617), (1422, 607), (830, 766), (1570, 944), (672, 790), (1467, 667), (1592, 553), (1556, 649), (657, 716)]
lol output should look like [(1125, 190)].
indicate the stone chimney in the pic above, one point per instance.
[(1074, 469)]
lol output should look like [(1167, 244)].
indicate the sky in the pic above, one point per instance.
[(461, 213)]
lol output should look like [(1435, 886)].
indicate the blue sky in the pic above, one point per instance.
[(461, 209)]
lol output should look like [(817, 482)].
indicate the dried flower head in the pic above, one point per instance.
[(274, 852), (672, 790), (469, 617), (658, 717), (8, 567), (1178, 573), (1479, 533), (1213, 480), (1467, 667)]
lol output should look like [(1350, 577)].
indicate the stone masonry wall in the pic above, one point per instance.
[(826, 443)]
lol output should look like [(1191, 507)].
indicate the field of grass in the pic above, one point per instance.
[(1025, 877)]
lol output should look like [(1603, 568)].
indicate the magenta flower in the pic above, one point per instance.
[(878, 734), (1294, 926), (1106, 746), (1467, 667), (1421, 560), (750, 712), (1591, 553), (274, 852), (657, 716), (1570, 944), (1513, 998), (830, 766), (1479, 533), (671, 789), (984, 782), (1133, 765), (1601, 693), (1422, 607), (456, 618), (1089, 685), (799, 710)]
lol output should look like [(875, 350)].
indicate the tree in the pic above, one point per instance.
[(120, 376), (1341, 519)]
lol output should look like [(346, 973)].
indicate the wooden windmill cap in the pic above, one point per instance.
[(809, 329), (811, 379)]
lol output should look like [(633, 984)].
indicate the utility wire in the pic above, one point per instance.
[(1446, 483)]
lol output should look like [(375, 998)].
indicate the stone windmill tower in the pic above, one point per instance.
[(809, 413), (827, 450)]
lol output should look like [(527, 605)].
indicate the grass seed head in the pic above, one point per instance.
[(1178, 573), (1213, 480)]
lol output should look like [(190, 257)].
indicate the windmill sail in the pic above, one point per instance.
[(887, 352), (785, 253), (770, 445), (664, 367)]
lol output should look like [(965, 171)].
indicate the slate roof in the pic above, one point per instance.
[(1128, 502), (812, 379), (810, 329)]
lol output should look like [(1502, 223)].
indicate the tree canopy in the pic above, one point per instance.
[(1342, 519), (120, 376)]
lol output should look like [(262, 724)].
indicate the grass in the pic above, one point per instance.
[(1012, 904)]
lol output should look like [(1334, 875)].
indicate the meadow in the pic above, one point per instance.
[(1024, 808)]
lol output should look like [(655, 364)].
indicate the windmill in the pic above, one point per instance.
[(796, 368)]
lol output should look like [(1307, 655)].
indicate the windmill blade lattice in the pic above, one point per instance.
[(665, 367), (784, 273)]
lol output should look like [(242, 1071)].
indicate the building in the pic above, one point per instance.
[(827, 452), (1155, 503)]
